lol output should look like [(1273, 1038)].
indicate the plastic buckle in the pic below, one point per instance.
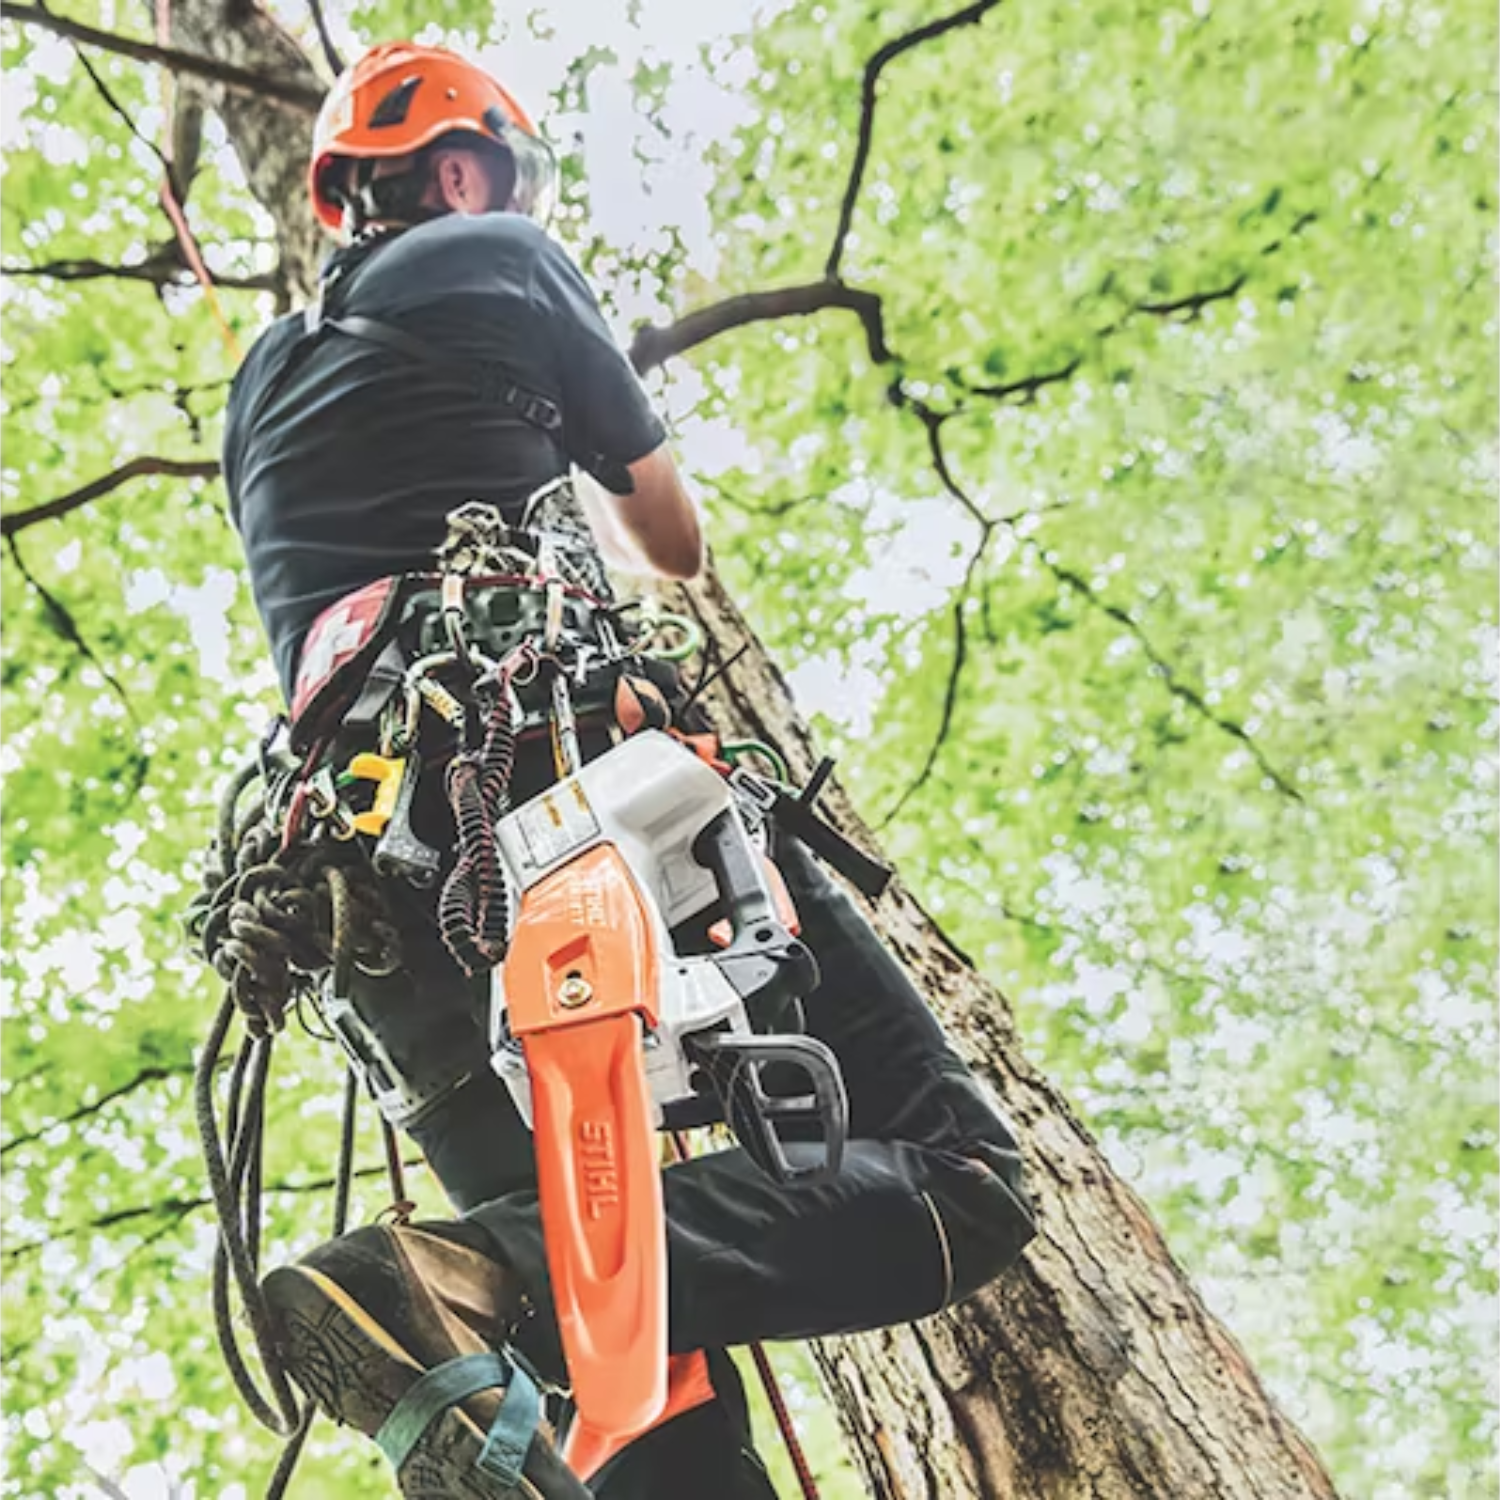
[(537, 410), (756, 790)]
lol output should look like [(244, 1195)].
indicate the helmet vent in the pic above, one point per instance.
[(394, 108)]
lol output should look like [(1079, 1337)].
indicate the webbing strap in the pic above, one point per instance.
[(510, 1434), (528, 405)]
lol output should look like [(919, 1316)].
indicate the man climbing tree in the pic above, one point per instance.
[(454, 355), (1096, 394)]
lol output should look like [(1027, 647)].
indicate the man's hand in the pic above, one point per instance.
[(653, 530)]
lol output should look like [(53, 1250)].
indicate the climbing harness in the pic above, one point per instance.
[(645, 969)]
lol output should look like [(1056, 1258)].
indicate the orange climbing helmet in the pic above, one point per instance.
[(400, 97)]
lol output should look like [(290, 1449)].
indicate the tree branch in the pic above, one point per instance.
[(1194, 303), (325, 38), (653, 344), (933, 422), (890, 51), (771, 508), (179, 1208), (950, 692), (180, 394), (153, 1074), (177, 468), (1168, 674), (107, 94), (1027, 387), (62, 621), (295, 96), (163, 269)]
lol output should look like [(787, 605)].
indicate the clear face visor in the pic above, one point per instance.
[(535, 190)]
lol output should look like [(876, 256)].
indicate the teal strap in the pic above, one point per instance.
[(427, 1398), (504, 1453)]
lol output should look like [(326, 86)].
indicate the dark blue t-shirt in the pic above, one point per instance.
[(342, 457)]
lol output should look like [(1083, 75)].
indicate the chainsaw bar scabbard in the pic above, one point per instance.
[(581, 977)]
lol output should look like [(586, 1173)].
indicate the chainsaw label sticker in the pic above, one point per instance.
[(557, 823)]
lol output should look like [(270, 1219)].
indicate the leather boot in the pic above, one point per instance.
[(401, 1331)]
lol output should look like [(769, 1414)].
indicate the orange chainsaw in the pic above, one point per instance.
[(605, 1034)]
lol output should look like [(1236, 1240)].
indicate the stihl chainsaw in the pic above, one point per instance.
[(605, 1034)]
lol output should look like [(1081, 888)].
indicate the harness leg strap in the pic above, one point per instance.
[(510, 1434)]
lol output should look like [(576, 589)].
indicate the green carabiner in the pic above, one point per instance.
[(691, 643), (734, 751)]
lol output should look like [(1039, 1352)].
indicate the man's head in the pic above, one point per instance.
[(410, 133)]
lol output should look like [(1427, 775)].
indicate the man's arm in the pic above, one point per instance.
[(652, 530), (607, 421)]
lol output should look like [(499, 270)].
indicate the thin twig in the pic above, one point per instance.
[(66, 626), (950, 692), (771, 508), (107, 94), (933, 421), (153, 1074), (873, 69), (176, 468), (1194, 303), (178, 1208), (1027, 387), (325, 38), (296, 96), (109, 1487), (1168, 673)]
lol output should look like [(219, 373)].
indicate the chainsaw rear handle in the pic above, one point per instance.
[(768, 968), (734, 1066)]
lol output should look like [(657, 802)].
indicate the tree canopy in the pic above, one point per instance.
[(1124, 511)]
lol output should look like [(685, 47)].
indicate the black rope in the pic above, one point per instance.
[(281, 1412), (272, 921), (344, 1178)]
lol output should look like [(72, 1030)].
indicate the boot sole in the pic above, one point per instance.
[(357, 1371)]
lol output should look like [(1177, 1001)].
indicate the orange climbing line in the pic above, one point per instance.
[(682, 1149), (169, 201)]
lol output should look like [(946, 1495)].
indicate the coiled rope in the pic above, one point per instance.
[(473, 910), (270, 919)]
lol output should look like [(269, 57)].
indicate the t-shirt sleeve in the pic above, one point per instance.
[(608, 420)]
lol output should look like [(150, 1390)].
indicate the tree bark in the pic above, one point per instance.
[(1093, 1370), (272, 139)]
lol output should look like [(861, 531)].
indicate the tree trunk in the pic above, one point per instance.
[(1093, 1370)]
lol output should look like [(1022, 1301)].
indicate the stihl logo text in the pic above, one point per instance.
[(596, 1160)]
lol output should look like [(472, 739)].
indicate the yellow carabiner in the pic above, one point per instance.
[(387, 774)]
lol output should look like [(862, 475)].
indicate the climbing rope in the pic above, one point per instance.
[(473, 915), (270, 919)]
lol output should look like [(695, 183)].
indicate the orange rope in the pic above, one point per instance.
[(779, 1409), (169, 201)]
